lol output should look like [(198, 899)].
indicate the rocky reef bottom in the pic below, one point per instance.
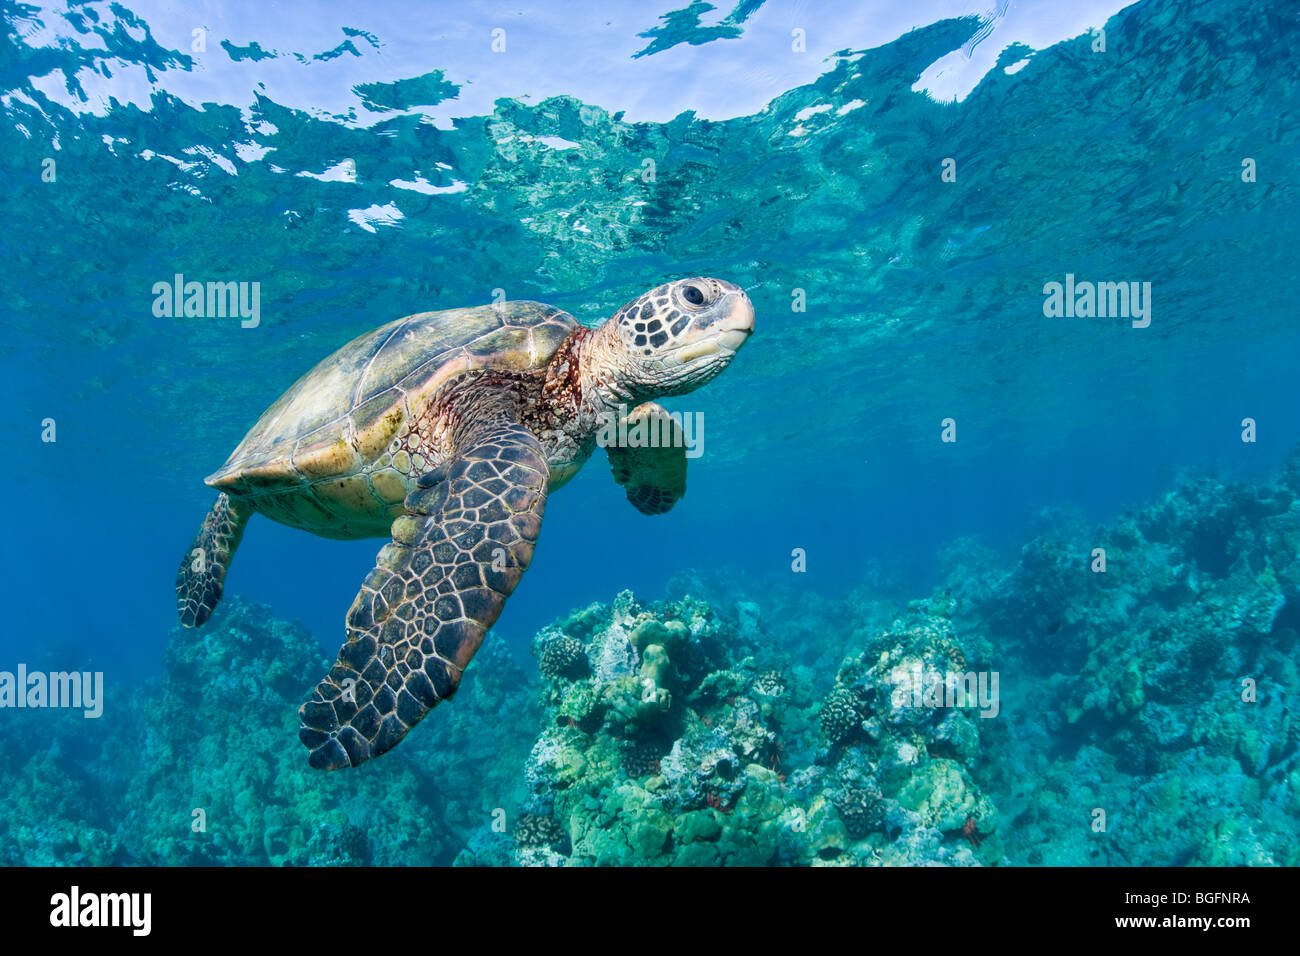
[(1122, 695)]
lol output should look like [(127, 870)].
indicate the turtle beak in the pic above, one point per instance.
[(737, 323), (726, 330)]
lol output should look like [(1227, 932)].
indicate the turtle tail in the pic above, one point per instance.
[(203, 569)]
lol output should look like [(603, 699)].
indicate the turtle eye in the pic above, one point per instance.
[(693, 295)]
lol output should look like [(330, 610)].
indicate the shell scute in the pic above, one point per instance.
[(334, 456), (375, 423)]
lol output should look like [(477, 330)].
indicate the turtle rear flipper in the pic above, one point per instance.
[(203, 569), (433, 593), (654, 477)]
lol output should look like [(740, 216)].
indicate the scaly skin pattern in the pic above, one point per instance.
[(203, 569), (551, 404), (654, 478), (435, 590)]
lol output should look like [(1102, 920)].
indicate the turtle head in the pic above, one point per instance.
[(677, 337)]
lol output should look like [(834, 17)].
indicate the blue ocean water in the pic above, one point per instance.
[(894, 190)]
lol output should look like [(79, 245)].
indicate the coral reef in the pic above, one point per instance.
[(673, 748), (1122, 695), (839, 717), (563, 657), (1153, 720), (218, 782), (203, 767)]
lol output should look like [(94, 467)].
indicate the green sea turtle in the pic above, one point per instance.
[(447, 430)]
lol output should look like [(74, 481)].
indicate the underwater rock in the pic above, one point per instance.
[(337, 843), (652, 757), (672, 749), (903, 746)]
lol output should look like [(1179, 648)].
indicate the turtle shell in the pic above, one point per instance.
[(342, 417)]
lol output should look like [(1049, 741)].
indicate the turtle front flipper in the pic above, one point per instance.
[(203, 569), (651, 466), (435, 590)]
